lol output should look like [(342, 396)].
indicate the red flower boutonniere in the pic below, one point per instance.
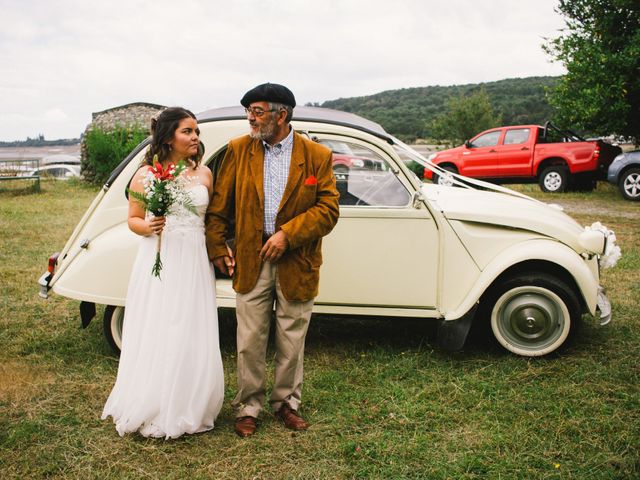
[(312, 180)]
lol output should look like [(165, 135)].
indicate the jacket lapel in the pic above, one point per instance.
[(256, 166), (296, 169)]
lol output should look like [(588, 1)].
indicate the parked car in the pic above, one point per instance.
[(625, 173), (556, 159), (402, 247), (59, 171)]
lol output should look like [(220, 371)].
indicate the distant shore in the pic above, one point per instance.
[(28, 153)]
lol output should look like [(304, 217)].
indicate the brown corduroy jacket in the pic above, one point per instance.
[(308, 211)]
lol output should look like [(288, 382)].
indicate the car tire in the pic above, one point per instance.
[(113, 321), (532, 314), (554, 179), (445, 180), (629, 184)]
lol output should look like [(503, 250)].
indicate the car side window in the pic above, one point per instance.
[(364, 178), (516, 136), (487, 140)]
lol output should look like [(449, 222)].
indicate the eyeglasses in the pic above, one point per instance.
[(257, 111)]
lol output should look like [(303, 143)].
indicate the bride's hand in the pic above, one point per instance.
[(226, 264), (156, 225)]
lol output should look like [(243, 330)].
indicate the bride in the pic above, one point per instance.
[(170, 379)]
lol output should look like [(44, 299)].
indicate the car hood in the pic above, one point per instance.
[(449, 152), (506, 210)]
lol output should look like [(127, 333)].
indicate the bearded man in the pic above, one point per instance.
[(279, 188)]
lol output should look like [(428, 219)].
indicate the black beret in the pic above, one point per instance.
[(269, 92)]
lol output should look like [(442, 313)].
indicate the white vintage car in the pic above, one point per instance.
[(402, 247)]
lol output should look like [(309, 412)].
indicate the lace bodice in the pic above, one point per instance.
[(180, 217)]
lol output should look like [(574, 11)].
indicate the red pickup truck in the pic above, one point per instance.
[(558, 160)]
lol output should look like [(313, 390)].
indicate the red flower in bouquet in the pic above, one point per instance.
[(163, 174)]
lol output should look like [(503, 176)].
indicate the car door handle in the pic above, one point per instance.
[(524, 148), (492, 151)]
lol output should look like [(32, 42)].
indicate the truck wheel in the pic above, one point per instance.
[(532, 314), (112, 323), (445, 179), (554, 179), (629, 184)]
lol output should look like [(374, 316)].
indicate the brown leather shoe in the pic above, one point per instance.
[(290, 418), (245, 426)]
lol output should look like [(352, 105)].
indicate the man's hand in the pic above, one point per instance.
[(226, 264), (275, 247)]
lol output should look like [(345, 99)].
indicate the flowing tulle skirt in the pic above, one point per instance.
[(170, 379)]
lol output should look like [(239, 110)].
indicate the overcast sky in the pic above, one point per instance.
[(62, 60)]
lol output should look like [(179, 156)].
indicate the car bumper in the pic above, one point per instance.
[(603, 307), (43, 283)]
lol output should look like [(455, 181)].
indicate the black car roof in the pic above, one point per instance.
[(310, 114)]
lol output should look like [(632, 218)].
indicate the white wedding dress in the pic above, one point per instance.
[(170, 379)]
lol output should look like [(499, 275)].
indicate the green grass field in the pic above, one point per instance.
[(383, 400)]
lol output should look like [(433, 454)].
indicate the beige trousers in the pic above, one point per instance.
[(254, 311)]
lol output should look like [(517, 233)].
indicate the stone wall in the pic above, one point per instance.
[(136, 114)]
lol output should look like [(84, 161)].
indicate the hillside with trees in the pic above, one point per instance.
[(409, 113)]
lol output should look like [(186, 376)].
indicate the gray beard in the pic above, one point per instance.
[(265, 133)]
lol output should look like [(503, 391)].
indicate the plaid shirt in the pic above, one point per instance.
[(276, 172)]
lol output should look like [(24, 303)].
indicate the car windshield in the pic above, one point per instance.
[(412, 159)]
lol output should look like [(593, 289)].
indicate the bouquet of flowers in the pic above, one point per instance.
[(163, 189)]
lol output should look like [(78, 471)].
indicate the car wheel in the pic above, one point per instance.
[(533, 314), (630, 184), (444, 179), (112, 323), (554, 179)]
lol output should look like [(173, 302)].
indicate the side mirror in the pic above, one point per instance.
[(467, 143)]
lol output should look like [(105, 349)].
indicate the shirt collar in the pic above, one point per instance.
[(282, 144)]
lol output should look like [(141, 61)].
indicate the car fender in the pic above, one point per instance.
[(585, 274), (100, 271)]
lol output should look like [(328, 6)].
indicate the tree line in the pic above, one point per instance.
[(40, 141), (412, 113)]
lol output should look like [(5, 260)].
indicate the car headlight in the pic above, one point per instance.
[(593, 241), (432, 157)]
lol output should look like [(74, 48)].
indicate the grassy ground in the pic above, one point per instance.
[(383, 400)]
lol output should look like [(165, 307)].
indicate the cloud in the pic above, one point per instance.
[(72, 57), (55, 115)]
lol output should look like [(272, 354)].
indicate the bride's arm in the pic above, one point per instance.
[(137, 222)]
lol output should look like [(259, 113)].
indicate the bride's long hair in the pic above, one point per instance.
[(163, 128)]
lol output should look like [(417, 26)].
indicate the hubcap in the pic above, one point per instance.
[(530, 318), (553, 181), (632, 185)]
